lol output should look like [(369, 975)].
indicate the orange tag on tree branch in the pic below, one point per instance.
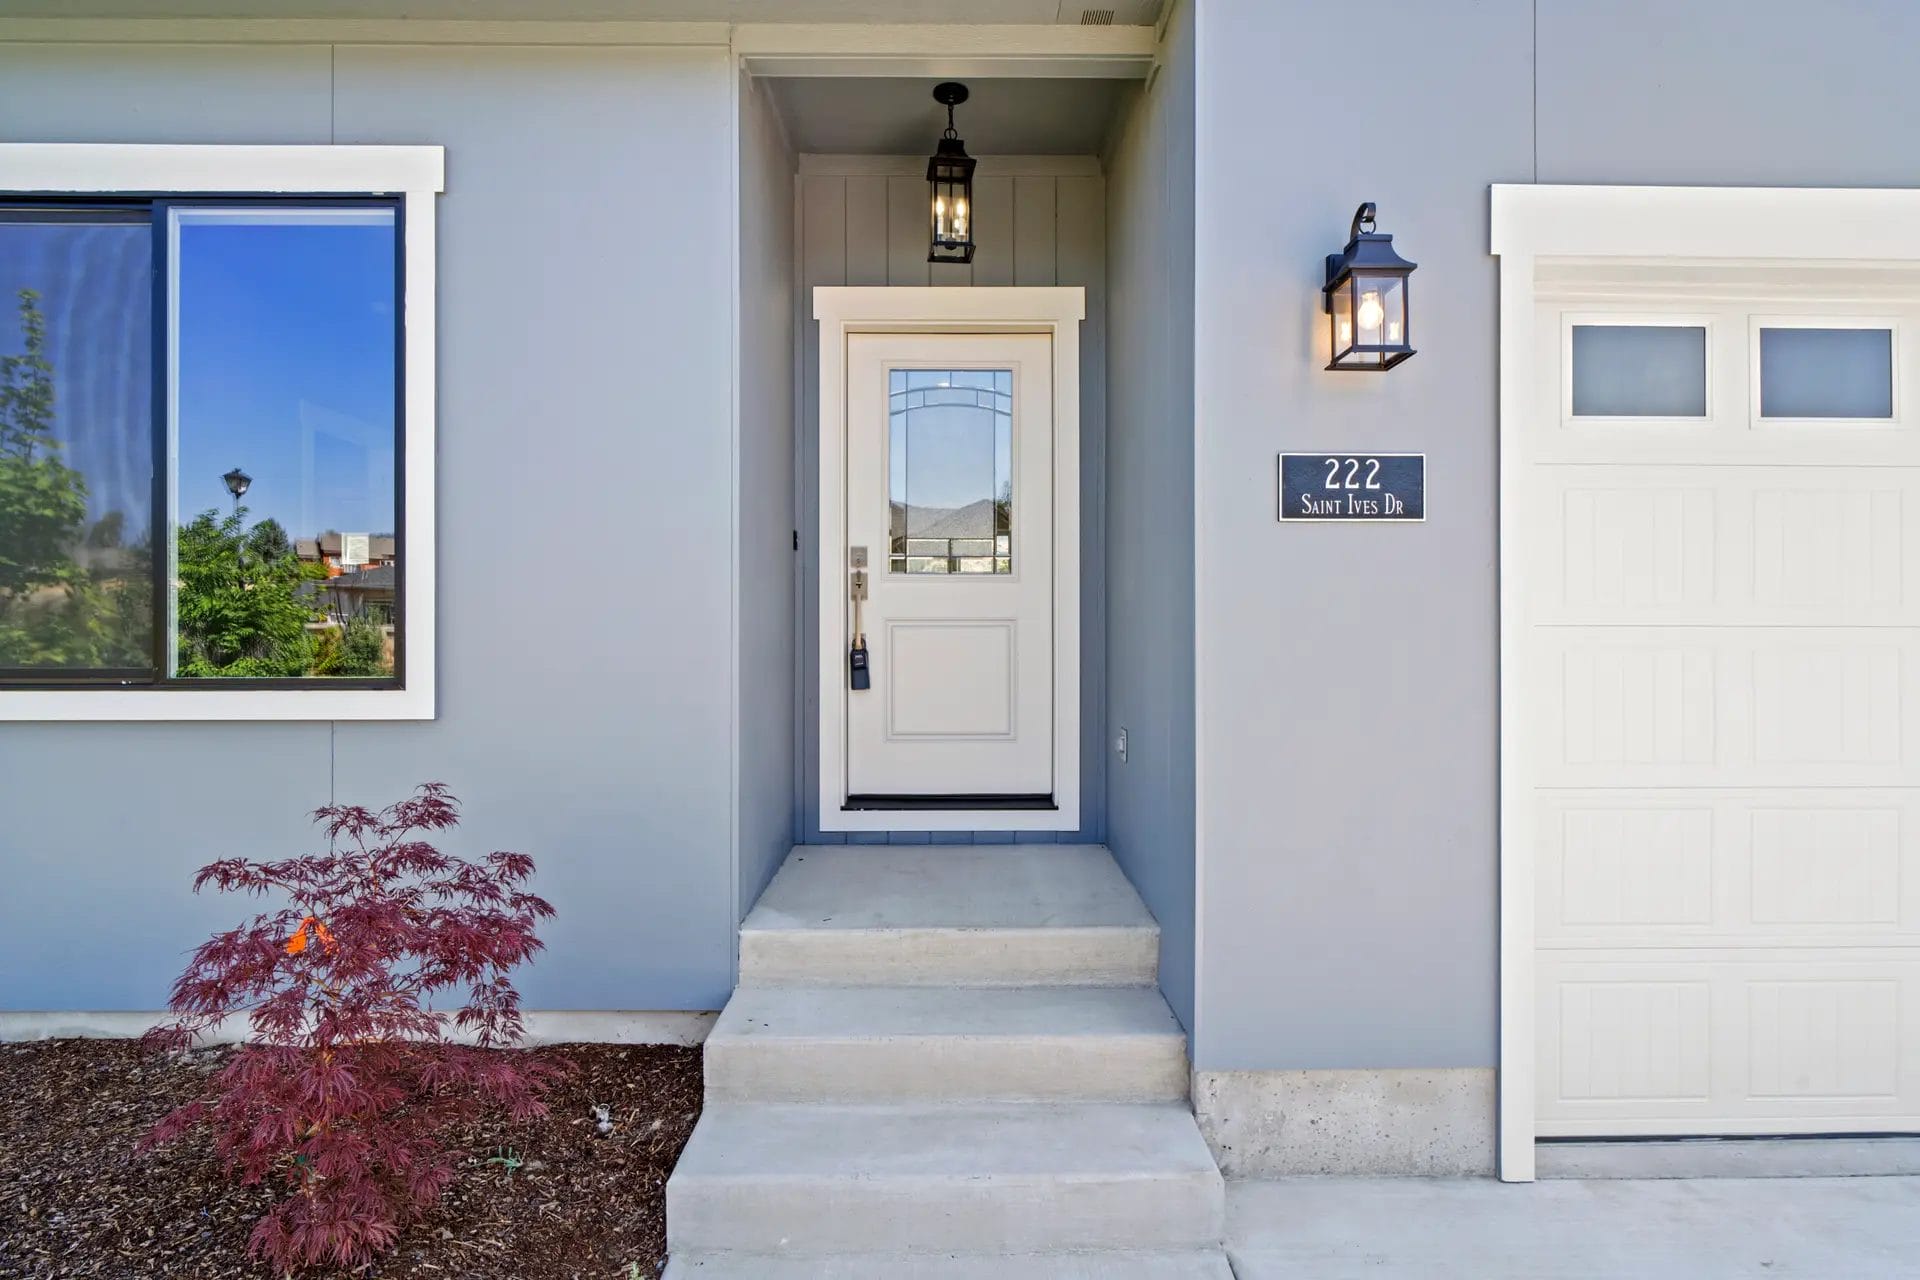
[(298, 942)]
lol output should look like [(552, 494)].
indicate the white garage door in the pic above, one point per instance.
[(1721, 649)]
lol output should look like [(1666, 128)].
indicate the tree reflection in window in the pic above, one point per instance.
[(76, 443), (282, 363)]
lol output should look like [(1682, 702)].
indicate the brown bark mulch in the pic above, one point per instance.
[(75, 1201)]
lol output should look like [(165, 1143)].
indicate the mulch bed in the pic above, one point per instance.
[(75, 1200)]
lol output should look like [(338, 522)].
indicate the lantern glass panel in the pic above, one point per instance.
[(1341, 319), (950, 212), (1380, 315)]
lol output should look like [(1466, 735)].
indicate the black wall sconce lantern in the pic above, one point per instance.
[(1366, 300), (950, 186)]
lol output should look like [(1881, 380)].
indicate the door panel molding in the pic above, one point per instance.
[(1053, 310)]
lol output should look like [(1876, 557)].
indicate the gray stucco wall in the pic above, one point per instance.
[(1149, 543), (585, 335), (768, 565), (1347, 674)]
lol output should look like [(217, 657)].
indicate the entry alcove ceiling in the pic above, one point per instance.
[(898, 116)]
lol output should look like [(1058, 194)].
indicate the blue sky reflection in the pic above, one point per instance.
[(286, 365)]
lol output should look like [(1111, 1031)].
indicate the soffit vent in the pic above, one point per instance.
[(1114, 13)]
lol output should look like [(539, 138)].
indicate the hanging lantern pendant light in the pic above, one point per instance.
[(950, 186)]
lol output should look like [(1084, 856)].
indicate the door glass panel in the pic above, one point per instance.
[(950, 471), (1639, 371), (1826, 373)]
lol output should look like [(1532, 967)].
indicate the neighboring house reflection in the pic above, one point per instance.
[(366, 593), (326, 549)]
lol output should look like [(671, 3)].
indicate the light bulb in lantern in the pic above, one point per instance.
[(940, 218), (959, 219), (1346, 332), (1371, 313)]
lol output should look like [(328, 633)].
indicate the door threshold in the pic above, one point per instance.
[(925, 804)]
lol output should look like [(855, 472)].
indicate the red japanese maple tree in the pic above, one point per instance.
[(351, 1079)]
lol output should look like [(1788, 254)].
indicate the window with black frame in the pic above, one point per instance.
[(200, 443)]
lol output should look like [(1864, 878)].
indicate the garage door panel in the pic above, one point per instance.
[(1690, 546), (1726, 706), (1714, 714), (1726, 443), (1639, 1041), (1783, 867)]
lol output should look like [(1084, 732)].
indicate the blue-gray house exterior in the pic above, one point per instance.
[(1310, 799)]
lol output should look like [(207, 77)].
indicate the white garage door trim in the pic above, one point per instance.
[(1535, 223)]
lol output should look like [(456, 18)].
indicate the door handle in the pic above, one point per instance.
[(858, 676)]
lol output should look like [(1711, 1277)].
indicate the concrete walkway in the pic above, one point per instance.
[(1471, 1229)]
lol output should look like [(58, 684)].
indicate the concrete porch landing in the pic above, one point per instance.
[(1479, 1229)]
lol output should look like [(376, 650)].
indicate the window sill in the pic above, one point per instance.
[(229, 704)]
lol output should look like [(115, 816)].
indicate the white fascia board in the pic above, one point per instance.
[(308, 170), (360, 31), (925, 49), (1804, 223)]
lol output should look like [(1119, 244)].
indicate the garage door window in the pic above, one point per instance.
[(1638, 371), (1825, 371)]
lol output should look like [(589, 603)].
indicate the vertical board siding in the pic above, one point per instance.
[(1036, 231), (993, 229), (1032, 230), (906, 234), (866, 231)]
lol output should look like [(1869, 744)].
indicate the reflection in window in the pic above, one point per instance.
[(284, 371), (1639, 371), (950, 471), (1826, 373), (76, 443)]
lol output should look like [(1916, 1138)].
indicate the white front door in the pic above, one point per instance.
[(949, 502)]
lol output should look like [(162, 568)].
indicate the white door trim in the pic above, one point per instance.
[(1658, 226), (934, 309)]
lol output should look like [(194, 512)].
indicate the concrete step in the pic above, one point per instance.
[(1208, 1264), (932, 915), (946, 1044), (1019, 1178)]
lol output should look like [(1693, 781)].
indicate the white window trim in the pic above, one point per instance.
[(1531, 223), (1054, 310), (1629, 320), (1801, 320), (417, 173)]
